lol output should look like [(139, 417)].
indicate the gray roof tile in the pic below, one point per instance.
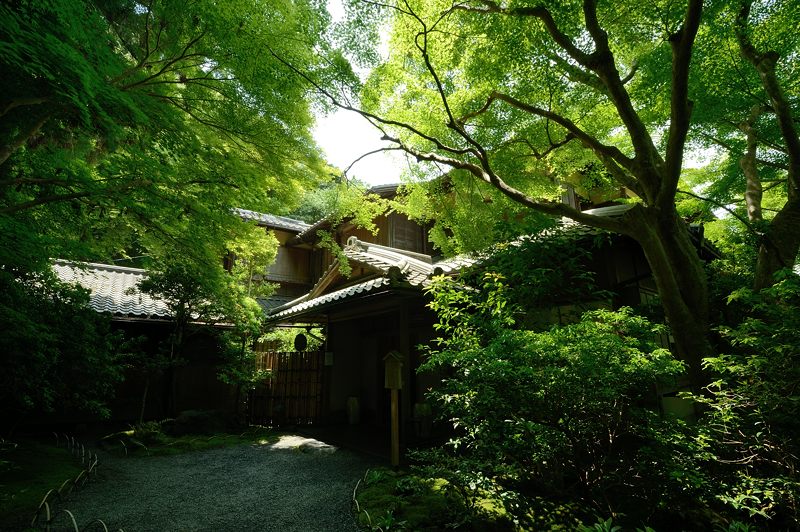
[(396, 264), (113, 289), (271, 220), (301, 306), (414, 271)]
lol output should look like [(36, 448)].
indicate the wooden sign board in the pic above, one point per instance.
[(393, 371)]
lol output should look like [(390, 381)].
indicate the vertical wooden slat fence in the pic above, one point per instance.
[(292, 394)]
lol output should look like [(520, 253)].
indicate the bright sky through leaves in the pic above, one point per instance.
[(345, 136)]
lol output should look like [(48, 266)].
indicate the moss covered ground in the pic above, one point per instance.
[(398, 500), (28, 470), (150, 441)]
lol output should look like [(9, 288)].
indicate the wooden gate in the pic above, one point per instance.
[(292, 393)]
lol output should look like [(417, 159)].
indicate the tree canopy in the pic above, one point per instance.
[(529, 97), (125, 126)]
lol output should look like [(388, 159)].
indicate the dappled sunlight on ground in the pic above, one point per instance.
[(293, 442)]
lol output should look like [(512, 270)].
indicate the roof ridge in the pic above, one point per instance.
[(267, 217), (413, 255), (100, 266)]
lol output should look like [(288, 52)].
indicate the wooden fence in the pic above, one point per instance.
[(291, 394)]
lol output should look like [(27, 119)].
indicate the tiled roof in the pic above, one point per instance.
[(299, 306), (385, 191), (271, 220), (272, 302), (455, 264), (311, 230), (414, 271), (114, 289)]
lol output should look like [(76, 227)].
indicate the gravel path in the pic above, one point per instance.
[(296, 484)]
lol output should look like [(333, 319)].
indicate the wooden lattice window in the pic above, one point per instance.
[(407, 235)]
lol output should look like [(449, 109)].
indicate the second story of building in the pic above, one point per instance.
[(300, 261)]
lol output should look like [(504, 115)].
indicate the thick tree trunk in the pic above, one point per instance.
[(781, 246), (681, 282)]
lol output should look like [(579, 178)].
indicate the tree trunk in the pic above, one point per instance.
[(781, 246), (754, 192), (681, 282)]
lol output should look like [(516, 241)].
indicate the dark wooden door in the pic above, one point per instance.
[(292, 393)]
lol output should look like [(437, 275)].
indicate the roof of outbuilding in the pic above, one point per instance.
[(114, 289), (301, 306), (311, 230), (271, 220), (385, 191), (272, 302)]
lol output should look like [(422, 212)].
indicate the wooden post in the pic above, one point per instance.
[(395, 429), (394, 381)]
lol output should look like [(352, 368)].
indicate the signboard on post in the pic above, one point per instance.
[(393, 370), (394, 381)]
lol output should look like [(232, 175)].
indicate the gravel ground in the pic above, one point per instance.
[(296, 484)]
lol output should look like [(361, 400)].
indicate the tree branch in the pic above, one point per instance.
[(682, 43), (723, 207), (364, 155), (370, 116), (20, 102), (183, 55), (733, 150), (765, 64), (23, 137), (539, 12), (613, 159), (488, 176)]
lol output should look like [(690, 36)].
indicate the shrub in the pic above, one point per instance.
[(569, 412), (750, 433)]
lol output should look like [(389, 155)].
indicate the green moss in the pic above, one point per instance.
[(159, 444), (392, 500), (27, 472)]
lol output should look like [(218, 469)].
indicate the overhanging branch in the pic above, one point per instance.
[(488, 176)]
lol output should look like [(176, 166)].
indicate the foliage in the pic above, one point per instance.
[(751, 429), (547, 269), (284, 338), (608, 98), (525, 99), (58, 353), (567, 412), (465, 215), (132, 130)]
